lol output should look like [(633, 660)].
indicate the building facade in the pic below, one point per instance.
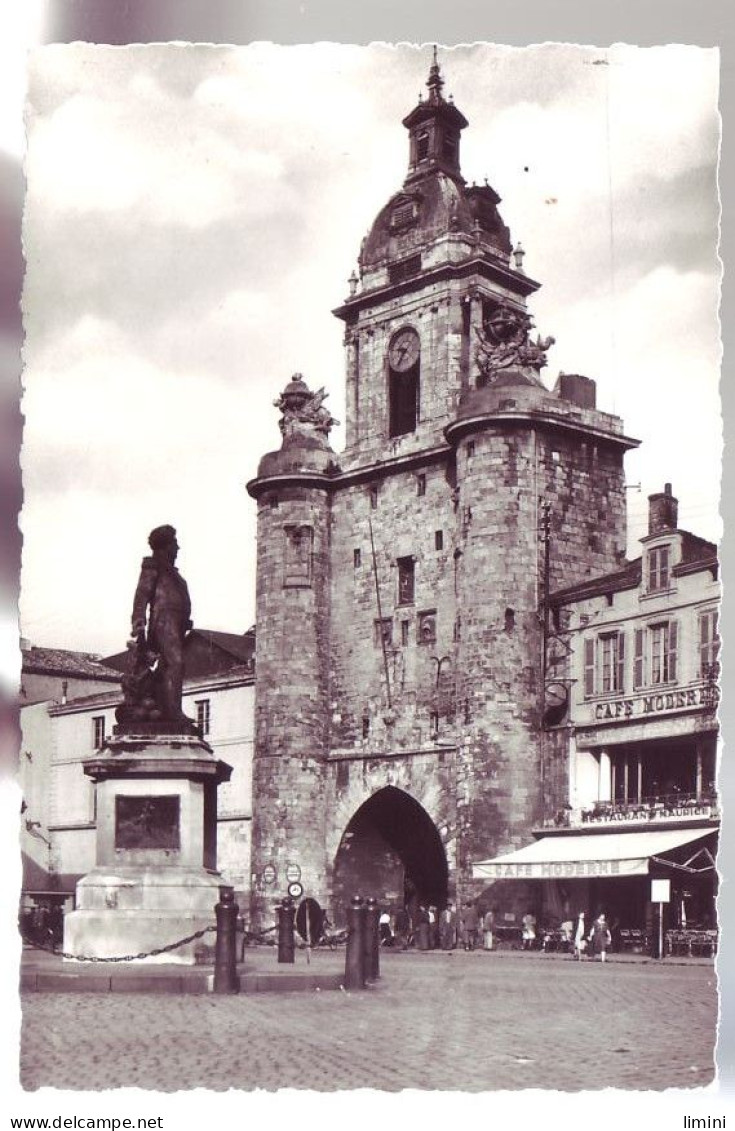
[(632, 750), (400, 683), (59, 832)]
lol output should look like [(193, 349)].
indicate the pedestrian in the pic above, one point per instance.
[(448, 928), (468, 925), (580, 942), (386, 934), (528, 933), (422, 931), (433, 927), (600, 937), (488, 923), (402, 925)]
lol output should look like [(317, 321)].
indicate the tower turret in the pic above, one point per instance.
[(291, 674)]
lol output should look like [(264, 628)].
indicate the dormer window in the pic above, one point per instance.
[(659, 568), (403, 214)]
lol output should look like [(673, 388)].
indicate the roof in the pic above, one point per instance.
[(63, 662), (243, 647), (696, 554), (206, 651)]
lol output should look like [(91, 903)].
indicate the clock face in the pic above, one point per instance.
[(404, 350), (556, 694)]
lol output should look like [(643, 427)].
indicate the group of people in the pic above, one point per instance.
[(596, 941), (430, 929), (472, 927)]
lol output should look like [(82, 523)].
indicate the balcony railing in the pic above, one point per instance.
[(660, 807)]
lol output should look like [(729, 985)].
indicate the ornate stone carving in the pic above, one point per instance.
[(504, 343), (303, 411)]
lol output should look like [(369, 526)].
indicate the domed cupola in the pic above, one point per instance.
[(435, 213)]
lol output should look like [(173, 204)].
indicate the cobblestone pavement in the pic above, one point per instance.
[(435, 1021)]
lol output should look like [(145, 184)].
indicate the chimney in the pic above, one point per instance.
[(663, 511)]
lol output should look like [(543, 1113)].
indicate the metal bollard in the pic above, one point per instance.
[(355, 955), (372, 940), (285, 913), (226, 911)]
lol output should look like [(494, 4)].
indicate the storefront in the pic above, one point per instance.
[(611, 872)]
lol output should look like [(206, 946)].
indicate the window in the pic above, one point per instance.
[(356, 558), (604, 664), (365, 726), (402, 215), (655, 654), (404, 632), (449, 148), (406, 579), (438, 539), (422, 146), (709, 644), (404, 401), (420, 484), (202, 706), (470, 448), (98, 732), (658, 569), (427, 627), (383, 631), (373, 498)]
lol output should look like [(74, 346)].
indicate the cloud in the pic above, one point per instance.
[(193, 215)]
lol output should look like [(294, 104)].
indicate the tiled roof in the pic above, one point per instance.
[(61, 661), (241, 646), (629, 577)]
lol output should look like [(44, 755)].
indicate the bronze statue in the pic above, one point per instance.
[(161, 619)]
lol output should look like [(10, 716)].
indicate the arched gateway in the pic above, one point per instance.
[(391, 849)]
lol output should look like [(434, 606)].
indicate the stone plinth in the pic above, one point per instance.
[(155, 879)]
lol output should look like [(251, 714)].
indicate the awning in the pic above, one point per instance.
[(579, 857)]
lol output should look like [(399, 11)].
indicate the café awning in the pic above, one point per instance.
[(597, 855)]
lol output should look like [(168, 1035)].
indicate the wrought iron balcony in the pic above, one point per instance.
[(675, 807)]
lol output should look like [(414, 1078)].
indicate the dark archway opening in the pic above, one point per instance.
[(391, 850)]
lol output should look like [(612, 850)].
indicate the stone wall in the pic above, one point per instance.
[(291, 714)]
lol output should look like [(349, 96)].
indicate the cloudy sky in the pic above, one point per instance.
[(193, 215)]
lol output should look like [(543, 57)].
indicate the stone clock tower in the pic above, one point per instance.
[(399, 682)]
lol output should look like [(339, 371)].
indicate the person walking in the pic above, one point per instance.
[(448, 928), (528, 934), (488, 923), (422, 929), (469, 925), (600, 937), (580, 942)]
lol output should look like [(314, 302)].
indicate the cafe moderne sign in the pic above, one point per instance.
[(659, 703)]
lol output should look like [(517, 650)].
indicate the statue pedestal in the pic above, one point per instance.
[(155, 879)]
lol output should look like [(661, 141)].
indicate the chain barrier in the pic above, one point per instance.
[(256, 936), (249, 937), (123, 957)]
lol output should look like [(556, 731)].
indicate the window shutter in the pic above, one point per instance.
[(589, 666), (620, 670), (673, 641), (704, 625), (638, 667)]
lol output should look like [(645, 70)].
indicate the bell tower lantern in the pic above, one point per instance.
[(434, 128)]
